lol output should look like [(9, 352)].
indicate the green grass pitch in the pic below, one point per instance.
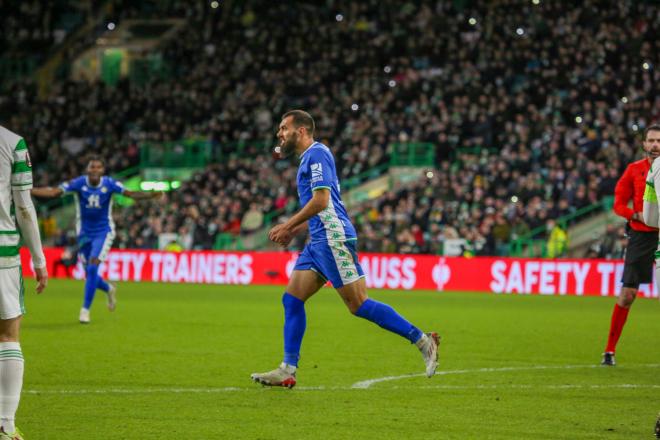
[(174, 361)]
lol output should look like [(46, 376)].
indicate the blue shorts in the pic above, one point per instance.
[(335, 261), (95, 246)]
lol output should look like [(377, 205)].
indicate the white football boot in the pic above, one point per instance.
[(282, 376), (428, 345), (84, 316)]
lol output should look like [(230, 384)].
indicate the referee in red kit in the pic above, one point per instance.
[(642, 239)]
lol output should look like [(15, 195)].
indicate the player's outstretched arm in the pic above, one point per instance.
[(47, 192), (143, 195), (26, 218)]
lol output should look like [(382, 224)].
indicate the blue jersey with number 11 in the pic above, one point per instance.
[(93, 203)]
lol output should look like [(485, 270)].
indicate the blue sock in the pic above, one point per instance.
[(295, 322), (90, 284), (386, 317), (102, 284)]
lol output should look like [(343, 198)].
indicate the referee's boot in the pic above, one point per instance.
[(608, 359)]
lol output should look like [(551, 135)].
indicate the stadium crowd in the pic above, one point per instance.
[(32, 27), (533, 109)]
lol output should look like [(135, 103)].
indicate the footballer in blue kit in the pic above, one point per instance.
[(96, 230), (330, 254)]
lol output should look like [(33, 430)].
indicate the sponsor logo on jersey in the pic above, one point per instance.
[(317, 172)]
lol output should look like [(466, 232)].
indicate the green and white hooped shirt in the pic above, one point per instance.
[(15, 173)]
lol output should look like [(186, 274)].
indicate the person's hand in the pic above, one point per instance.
[(42, 278), (281, 235), (158, 195)]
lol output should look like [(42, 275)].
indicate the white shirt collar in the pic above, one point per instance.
[(92, 186)]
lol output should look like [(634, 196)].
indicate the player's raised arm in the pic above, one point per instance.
[(117, 187), (47, 192), (50, 192)]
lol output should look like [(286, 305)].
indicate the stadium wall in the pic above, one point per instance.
[(578, 277)]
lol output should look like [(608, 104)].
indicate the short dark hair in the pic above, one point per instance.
[(652, 127), (95, 158), (302, 119)]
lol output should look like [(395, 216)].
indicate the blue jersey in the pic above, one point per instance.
[(317, 170), (93, 204)]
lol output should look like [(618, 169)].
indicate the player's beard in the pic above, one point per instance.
[(288, 146)]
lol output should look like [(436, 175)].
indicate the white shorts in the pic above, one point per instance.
[(11, 293)]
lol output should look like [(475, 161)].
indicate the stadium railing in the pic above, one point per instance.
[(187, 153), (534, 244), (412, 154)]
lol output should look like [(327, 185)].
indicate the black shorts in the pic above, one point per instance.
[(638, 260)]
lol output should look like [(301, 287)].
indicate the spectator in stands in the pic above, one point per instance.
[(173, 246), (557, 240), (253, 220)]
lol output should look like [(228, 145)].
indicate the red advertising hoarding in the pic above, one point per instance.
[(383, 271)]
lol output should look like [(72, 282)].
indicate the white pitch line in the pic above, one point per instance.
[(536, 387), (364, 384), (345, 388)]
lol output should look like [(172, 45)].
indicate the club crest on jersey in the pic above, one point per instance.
[(317, 172), (104, 190)]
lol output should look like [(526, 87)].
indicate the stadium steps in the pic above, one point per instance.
[(46, 74), (583, 227), (582, 235), (395, 178)]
